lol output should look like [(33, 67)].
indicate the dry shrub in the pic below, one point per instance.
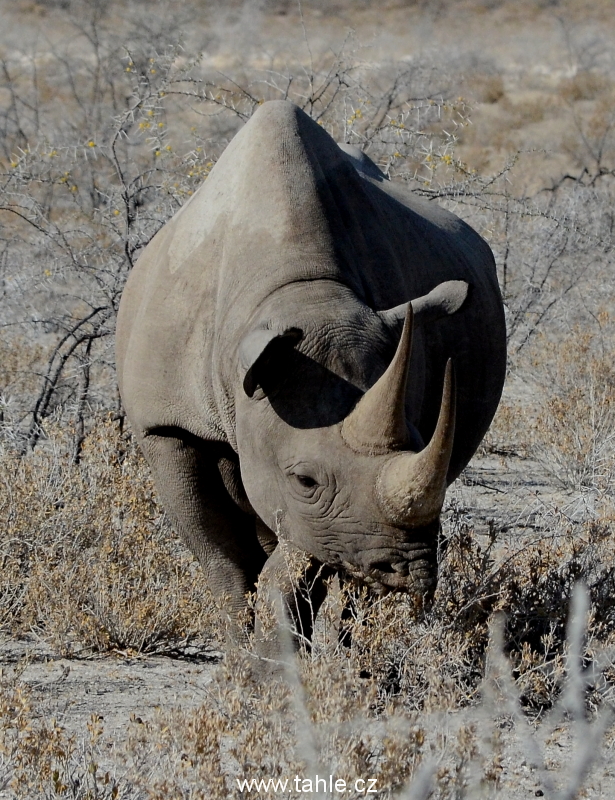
[(584, 85), (487, 88), (508, 433), (339, 713), (573, 434), (87, 558), (434, 658), (88, 562), (523, 112), (591, 137), (275, 730), (247, 730), (320, 719)]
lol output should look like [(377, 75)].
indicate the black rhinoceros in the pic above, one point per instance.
[(274, 375)]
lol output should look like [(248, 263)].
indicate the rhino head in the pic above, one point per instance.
[(363, 493)]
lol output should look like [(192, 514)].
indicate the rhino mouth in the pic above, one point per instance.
[(413, 570)]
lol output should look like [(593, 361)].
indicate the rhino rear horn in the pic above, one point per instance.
[(411, 486)]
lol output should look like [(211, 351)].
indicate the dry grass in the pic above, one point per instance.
[(379, 705)]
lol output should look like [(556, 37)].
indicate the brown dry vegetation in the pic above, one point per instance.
[(109, 123)]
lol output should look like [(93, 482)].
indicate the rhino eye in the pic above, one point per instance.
[(306, 481)]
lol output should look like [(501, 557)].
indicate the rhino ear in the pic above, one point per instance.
[(361, 162), (260, 349), (445, 299)]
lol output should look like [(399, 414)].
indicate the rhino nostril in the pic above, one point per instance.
[(381, 566), (401, 567)]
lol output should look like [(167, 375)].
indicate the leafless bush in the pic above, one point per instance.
[(141, 124)]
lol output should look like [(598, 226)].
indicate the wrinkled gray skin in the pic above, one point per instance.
[(252, 327)]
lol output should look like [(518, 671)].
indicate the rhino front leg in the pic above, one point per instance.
[(299, 582), (220, 535)]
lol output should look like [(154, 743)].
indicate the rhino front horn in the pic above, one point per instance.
[(411, 486), (377, 424)]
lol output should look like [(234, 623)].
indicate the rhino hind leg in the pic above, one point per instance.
[(222, 536)]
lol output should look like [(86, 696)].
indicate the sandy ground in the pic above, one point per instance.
[(116, 688)]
